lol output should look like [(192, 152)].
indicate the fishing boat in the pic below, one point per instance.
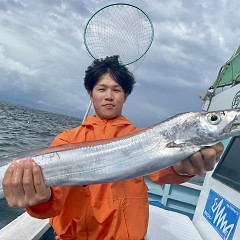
[(217, 212), (218, 209), (187, 211)]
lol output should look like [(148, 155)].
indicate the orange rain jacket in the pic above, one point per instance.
[(116, 210)]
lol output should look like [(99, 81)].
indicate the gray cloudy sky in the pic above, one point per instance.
[(43, 58)]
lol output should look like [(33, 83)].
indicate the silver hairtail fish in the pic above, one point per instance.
[(133, 155)]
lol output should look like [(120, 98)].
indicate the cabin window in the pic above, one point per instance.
[(228, 169)]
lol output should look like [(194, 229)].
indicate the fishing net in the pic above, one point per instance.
[(119, 29)]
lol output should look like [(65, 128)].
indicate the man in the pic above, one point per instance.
[(116, 210)]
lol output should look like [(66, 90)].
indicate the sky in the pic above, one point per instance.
[(43, 57)]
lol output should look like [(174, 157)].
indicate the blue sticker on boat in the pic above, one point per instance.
[(222, 215)]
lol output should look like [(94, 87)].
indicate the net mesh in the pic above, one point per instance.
[(119, 29)]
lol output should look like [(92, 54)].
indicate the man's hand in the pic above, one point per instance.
[(23, 184), (200, 162)]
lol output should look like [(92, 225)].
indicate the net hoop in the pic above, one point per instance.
[(87, 35)]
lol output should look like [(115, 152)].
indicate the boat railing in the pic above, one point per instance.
[(24, 227), (181, 198)]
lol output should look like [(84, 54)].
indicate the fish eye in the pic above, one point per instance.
[(214, 118)]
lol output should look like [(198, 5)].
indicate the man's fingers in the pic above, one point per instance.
[(41, 189), (197, 163), (210, 158), (28, 184), (219, 147), (24, 185), (7, 181), (200, 162), (185, 167), (17, 187), (38, 179), (208, 153)]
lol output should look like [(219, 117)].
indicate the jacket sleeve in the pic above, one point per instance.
[(50, 208), (168, 176), (56, 202)]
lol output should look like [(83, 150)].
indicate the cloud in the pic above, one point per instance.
[(43, 57), (13, 66), (190, 44)]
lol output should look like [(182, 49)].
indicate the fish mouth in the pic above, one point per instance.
[(235, 124)]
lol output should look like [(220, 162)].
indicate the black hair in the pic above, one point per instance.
[(112, 66)]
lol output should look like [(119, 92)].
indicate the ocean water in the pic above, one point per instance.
[(23, 129)]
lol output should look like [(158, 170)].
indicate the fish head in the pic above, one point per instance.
[(219, 125)]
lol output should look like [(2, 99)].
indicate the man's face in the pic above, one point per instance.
[(108, 98)]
